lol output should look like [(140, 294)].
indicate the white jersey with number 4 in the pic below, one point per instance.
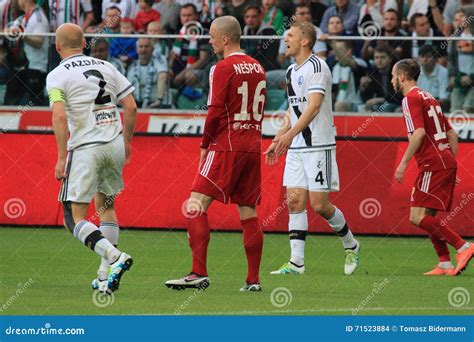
[(312, 76), (91, 89)]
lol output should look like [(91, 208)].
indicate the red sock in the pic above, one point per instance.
[(253, 244), (434, 227), (441, 248), (199, 236)]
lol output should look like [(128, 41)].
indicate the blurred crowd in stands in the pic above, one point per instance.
[(173, 73)]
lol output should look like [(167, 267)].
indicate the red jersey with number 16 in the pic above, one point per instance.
[(238, 91), (421, 110)]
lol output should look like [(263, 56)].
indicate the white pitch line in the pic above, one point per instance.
[(288, 311)]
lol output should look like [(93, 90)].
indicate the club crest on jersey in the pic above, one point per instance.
[(300, 80)]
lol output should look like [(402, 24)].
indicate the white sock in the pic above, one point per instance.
[(90, 235), (339, 225), (463, 247), (298, 228), (445, 265), (110, 230)]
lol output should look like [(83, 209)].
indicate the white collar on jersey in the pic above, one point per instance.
[(237, 54), (413, 88), (72, 56), (299, 66)]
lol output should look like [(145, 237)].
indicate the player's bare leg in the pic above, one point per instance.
[(441, 231), (90, 235), (199, 236), (105, 209), (298, 228), (253, 244), (335, 218)]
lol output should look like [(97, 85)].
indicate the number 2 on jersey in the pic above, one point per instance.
[(433, 113), (100, 99), (258, 101)]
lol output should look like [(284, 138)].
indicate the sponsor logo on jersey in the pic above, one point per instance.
[(443, 147), (296, 100), (105, 116), (238, 125)]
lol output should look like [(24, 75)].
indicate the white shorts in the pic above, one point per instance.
[(313, 170), (94, 169)]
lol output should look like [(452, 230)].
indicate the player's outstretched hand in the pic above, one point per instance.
[(270, 156), (400, 171), (59, 170), (283, 144), (128, 152)]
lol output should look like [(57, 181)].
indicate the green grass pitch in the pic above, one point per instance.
[(48, 272)]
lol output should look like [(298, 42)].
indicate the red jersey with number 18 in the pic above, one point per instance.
[(237, 90), (422, 110)]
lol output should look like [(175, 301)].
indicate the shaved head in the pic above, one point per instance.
[(228, 26), (69, 37)]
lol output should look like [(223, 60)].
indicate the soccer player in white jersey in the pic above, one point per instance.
[(84, 93), (308, 138)]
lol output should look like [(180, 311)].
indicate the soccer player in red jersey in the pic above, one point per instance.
[(229, 168), (433, 143)]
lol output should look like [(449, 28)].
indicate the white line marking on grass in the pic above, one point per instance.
[(322, 310)]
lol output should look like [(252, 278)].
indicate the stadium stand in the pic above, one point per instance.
[(410, 23)]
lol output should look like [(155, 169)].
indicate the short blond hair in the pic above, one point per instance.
[(308, 31), (228, 26)]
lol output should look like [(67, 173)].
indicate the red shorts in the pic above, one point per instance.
[(434, 189), (233, 176)]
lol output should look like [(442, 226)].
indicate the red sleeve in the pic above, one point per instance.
[(415, 109), (156, 16), (211, 126), (218, 84)]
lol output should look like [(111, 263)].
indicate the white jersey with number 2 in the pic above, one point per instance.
[(91, 89)]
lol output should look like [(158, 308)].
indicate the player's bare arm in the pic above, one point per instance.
[(270, 156), (129, 120), (61, 133), (414, 144), (453, 143), (314, 104)]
